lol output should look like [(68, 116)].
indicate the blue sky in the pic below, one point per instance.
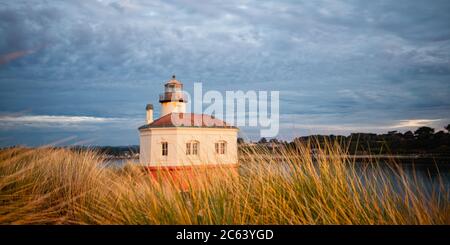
[(81, 72)]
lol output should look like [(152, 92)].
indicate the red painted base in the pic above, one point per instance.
[(185, 177)]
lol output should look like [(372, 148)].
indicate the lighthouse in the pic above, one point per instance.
[(190, 141), (173, 99)]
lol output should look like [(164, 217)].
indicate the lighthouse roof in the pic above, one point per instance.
[(174, 81), (187, 120)]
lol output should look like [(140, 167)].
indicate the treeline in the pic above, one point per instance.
[(112, 151), (131, 151), (424, 140)]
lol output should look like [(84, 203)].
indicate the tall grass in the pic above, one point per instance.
[(289, 186)]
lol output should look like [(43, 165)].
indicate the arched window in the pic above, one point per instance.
[(192, 148), (221, 147), (165, 148)]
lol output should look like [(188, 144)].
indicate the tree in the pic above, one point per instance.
[(274, 140), (439, 135), (424, 132), (408, 135), (262, 140), (240, 140)]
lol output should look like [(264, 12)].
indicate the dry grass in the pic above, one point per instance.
[(60, 186)]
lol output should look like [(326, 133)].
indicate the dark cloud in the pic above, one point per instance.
[(335, 62)]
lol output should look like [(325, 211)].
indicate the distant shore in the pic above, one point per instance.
[(362, 156)]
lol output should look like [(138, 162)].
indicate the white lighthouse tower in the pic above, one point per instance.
[(173, 99), (195, 139)]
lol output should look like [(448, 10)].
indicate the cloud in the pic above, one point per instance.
[(50, 121), (340, 62), (37, 130), (367, 127), (54, 119), (415, 123), (14, 55)]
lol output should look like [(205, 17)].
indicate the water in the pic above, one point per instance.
[(425, 174), (431, 174), (119, 162)]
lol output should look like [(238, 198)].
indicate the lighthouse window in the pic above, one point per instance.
[(188, 148), (192, 148), (195, 148), (221, 147), (165, 148)]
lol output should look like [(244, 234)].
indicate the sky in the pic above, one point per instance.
[(81, 72)]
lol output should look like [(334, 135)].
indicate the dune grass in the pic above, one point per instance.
[(290, 186)]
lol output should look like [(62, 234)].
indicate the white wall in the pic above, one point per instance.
[(150, 148), (144, 147), (174, 106)]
